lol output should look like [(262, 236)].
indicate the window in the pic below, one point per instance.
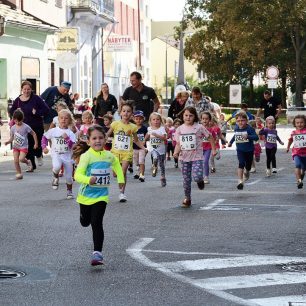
[(59, 3)]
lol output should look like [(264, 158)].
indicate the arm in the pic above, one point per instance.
[(162, 137), (80, 173), (118, 170), (44, 144), (290, 141), (35, 139), (42, 109), (279, 110), (109, 133), (252, 135), (115, 105), (231, 141), (156, 104), (10, 139), (279, 140)]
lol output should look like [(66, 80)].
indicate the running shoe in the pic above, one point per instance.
[(40, 161), (30, 166), (246, 175), (176, 165), (186, 203), (136, 176), (141, 178), (163, 182), (201, 185), (268, 172), (122, 197), (240, 185), (206, 180), (253, 170), (212, 170), (55, 183), (274, 170), (96, 259), (130, 169), (69, 194), (299, 184), (19, 176)]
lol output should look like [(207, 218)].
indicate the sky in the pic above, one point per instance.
[(166, 10)]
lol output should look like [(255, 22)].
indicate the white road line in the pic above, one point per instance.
[(224, 263), (249, 281), (296, 300), (135, 251), (193, 253), (254, 182), (212, 204)]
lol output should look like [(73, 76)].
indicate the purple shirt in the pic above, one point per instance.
[(34, 102), (271, 137)]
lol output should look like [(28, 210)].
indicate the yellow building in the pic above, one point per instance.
[(164, 48)]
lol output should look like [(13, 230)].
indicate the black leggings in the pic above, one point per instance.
[(35, 152), (271, 157), (93, 214)]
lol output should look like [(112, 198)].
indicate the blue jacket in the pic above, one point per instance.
[(244, 145)]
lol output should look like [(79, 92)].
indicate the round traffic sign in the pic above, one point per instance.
[(272, 72)]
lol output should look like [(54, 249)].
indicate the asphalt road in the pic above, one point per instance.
[(230, 248)]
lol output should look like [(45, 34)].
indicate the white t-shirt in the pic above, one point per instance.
[(156, 143)]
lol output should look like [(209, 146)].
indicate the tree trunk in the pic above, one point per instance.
[(298, 82), (284, 88), (251, 96)]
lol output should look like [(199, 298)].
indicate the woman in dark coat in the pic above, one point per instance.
[(178, 104)]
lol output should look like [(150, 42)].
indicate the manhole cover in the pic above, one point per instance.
[(294, 267), (11, 274)]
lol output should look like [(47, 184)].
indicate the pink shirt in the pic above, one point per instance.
[(189, 138), (299, 142), (206, 143)]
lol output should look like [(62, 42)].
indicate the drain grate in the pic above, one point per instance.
[(294, 267), (11, 274)]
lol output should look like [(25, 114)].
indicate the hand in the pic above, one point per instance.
[(64, 135), (245, 136), (282, 143), (175, 155), (92, 180), (229, 145), (33, 111), (214, 152), (288, 149), (46, 151), (35, 146)]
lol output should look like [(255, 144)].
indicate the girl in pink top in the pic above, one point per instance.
[(176, 123), (87, 120), (188, 148), (298, 138)]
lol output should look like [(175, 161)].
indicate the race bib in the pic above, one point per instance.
[(18, 140), (271, 138), (188, 142), (103, 177), (60, 145), (155, 142), (122, 142), (240, 137), (299, 141)]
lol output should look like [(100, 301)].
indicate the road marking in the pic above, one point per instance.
[(254, 182), (232, 262), (249, 281), (212, 204), (296, 300)]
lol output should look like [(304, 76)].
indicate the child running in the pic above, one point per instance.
[(169, 128), (244, 136), (93, 173), (189, 137), (124, 135), (139, 156), (271, 139), (158, 138), (208, 143), (87, 120), (62, 139), (19, 138), (298, 138), (176, 123), (223, 126), (257, 146), (107, 120)]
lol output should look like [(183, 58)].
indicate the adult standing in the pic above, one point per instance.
[(144, 97), (106, 104), (270, 105), (52, 95), (178, 104), (34, 108), (217, 108), (199, 102)]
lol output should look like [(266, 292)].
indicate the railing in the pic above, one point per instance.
[(98, 6)]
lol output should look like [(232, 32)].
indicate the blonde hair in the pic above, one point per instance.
[(157, 115), (67, 112), (169, 119), (61, 104), (270, 118), (86, 114)]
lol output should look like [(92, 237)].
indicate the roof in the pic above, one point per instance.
[(19, 18)]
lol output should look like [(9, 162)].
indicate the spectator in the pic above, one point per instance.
[(106, 104), (217, 108), (85, 106), (144, 97), (52, 95), (33, 108), (243, 107), (178, 104), (270, 105)]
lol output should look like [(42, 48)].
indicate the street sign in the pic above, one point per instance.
[(272, 84), (272, 72), (235, 94)]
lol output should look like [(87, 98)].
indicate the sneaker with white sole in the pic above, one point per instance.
[(268, 172), (55, 183), (40, 161), (29, 166), (69, 194), (141, 178), (253, 170), (246, 175), (206, 180), (122, 197), (274, 170), (19, 176), (96, 258), (240, 185)]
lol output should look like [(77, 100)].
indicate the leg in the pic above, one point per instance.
[(269, 159), (16, 154), (68, 166), (186, 172), (85, 215), (241, 166), (22, 158), (30, 154), (206, 162), (162, 159), (197, 170), (273, 157), (125, 164), (298, 171)]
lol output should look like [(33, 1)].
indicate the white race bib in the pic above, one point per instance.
[(271, 138), (122, 142), (155, 142), (18, 139), (299, 141), (60, 145), (103, 177), (188, 142), (240, 137)]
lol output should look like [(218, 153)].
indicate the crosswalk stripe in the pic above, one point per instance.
[(249, 281), (296, 300), (232, 262)]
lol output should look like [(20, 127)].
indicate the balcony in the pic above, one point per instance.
[(97, 7)]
